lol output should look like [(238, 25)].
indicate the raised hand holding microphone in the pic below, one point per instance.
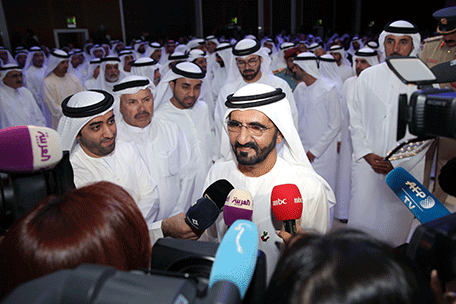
[(201, 215), (286, 203)]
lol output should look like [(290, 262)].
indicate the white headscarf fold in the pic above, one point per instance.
[(401, 28), (69, 127), (309, 63), (102, 83), (131, 90), (244, 44), (164, 92), (145, 66), (195, 54), (10, 57), (330, 70), (5, 69), (122, 55), (370, 55), (32, 51), (55, 58)]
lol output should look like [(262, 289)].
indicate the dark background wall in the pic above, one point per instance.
[(175, 18)]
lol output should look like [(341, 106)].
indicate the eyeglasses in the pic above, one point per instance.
[(18, 75), (254, 129), (251, 62)]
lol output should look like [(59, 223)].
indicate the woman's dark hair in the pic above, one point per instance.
[(96, 224), (344, 266)]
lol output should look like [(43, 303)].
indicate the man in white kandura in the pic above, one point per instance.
[(261, 149), (163, 147), (373, 127), (88, 131), (17, 104), (178, 99)]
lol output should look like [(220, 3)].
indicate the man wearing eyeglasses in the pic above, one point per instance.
[(257, 124), (249, 64), (17, 104)]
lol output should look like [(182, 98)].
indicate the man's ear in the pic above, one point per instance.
[(78, 135), (279, 138), (171, 85)]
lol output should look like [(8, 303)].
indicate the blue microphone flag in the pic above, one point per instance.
[(425, 206), (235, 259)]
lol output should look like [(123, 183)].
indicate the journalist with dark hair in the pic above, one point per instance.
[(343, 266), (97, 224)]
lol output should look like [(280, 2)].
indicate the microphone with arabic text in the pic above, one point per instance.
[(425, 206), (286, 203), (234, 264), (203, 213), (26, 149), (238, 205)]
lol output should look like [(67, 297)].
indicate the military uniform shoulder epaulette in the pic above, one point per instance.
[(433, 39), (278, 71)]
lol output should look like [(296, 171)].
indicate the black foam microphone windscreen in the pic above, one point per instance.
[(218, 192)]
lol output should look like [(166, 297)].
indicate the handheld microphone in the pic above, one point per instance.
[(203, 213), (239, 205), (218, 191), (26, 149), (235, 259), (286, 202), (425, 206)]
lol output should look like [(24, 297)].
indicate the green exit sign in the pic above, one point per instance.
[(71, 21)]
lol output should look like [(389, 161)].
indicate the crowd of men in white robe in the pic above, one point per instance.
[(320, 109)]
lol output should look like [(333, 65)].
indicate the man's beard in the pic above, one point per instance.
[(112, 77), (260, 154), (250, 76), (98, 148)]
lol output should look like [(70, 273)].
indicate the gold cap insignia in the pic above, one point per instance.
[(444, 21)]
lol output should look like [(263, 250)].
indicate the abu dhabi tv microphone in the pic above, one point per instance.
[(235, 261), (425, 206), (286, 203), (238, 206), (26, 149), (203, 213)]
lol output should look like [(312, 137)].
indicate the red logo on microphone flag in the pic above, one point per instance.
[(286, 202)]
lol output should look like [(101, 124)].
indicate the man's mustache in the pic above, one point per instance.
[(247, 145), (142, 113)]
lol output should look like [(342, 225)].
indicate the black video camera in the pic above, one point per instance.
[(430, 111), (433, 246)]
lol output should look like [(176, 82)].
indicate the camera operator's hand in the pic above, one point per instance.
[(288, 237), (443, 293), (378, 164), (177, 227)]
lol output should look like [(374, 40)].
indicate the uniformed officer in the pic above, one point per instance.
[(286, 73), (442, 48), (437, 50)]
